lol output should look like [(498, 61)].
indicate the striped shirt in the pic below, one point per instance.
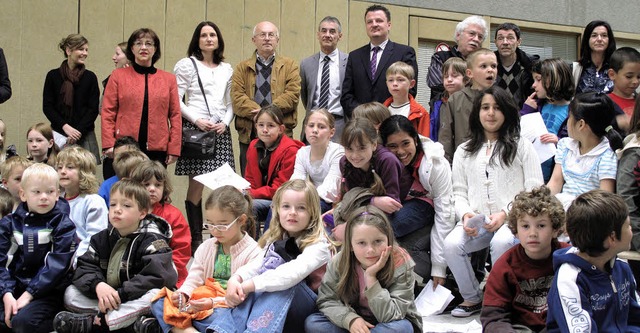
[(583, 173)]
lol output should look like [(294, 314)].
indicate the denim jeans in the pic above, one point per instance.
[(267, 312), (35, 317), (157, 308), (415, 214), (458, 246), (262, 213), (318, 322)]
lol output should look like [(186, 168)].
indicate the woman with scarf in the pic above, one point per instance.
[(142, 102), (71, 96)]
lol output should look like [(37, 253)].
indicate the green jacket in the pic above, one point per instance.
[(395, 302)]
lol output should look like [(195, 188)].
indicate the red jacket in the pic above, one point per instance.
[(180, 241), (122, 109), (417, 114), (280, 167)]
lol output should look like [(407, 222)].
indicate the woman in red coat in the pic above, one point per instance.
[(142, 101)]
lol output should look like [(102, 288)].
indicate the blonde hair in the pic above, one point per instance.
[(315, 229), (126, 161), (7, 168), (85, 161), (373, 111), (401, 68), (331, 120), (41, 171), (471, 58)]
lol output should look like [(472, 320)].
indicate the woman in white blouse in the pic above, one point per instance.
[(211, 111)]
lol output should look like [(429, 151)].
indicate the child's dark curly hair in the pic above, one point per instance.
[(536, 202)]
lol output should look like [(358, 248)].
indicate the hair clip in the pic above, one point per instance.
[(365, 213), (608, 128)]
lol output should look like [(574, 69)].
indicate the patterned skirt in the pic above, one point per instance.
[(222, 155)]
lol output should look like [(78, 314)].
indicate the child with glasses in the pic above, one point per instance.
[(154, 177), (229, 220)]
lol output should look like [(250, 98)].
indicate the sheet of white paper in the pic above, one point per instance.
[(221, 176), (471, 327), (59, 139), (531, 128), (431, 302)]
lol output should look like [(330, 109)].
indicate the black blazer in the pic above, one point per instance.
[(358, 86), (5, 84)]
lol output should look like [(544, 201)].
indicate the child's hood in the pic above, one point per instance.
[(630, 141), (154, 224), (570, 255)]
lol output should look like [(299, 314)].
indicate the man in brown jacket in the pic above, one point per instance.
[(263, 79)]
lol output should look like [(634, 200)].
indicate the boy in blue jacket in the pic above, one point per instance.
[(593, 291), (37, 243)]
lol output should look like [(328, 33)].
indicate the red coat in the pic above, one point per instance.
[(122, 109), (417, 114), (180, 241), (281, 166)]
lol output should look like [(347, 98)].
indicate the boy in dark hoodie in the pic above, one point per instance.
[(123, 269), (592, 290), (37, 243)]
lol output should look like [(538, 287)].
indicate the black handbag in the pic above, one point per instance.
[(197, 144)]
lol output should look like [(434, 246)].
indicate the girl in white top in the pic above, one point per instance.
[(488, 171), (586, 160), (209, 112), (280, 284), (77, 170), (320, 160)]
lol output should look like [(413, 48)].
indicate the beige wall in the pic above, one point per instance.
[(31, 30)]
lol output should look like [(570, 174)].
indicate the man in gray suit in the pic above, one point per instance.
[(325, 69)]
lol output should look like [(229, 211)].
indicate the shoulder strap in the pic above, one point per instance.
[(200, 84)]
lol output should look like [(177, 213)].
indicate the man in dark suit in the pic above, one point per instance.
[(311, 73), (365, 77), (5, 84)]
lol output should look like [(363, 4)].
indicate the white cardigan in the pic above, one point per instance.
[(435, 176), (217, 85), (326, 176), (480, 187)]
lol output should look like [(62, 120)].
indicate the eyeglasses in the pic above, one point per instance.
[(270, 35), (507, 38), (472, 34), (145, 44), (221, 228)]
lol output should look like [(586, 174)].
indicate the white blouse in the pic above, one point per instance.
[(217, 85), (325, 174)]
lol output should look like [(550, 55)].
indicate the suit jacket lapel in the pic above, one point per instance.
[(313, 74), (386, 55), (342, 64)]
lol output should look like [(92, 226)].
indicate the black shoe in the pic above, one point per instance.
[(69, 322), (147, 325)]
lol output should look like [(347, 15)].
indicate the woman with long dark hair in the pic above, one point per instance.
[(590, 72), (206, 80)]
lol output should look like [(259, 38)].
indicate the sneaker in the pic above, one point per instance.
[(69, 322), (147, 325), (466, 310)]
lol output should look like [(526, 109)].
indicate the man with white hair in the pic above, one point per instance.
[(263, 79), (469, 35)]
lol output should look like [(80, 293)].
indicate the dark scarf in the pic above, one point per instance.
[(70, 77)]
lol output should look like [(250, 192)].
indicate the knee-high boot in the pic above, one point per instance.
[(194, 216)]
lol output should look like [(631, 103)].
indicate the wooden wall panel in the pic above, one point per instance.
[(182, 18), (11, 43), (229, 17), (357, 28), (101, 22), (337, 8), (147, 14), (41, 31), (256, 11)]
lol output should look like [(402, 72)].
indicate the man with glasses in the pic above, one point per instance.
[(469, 35), (264, 79), (514, 65), (365, 77)]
